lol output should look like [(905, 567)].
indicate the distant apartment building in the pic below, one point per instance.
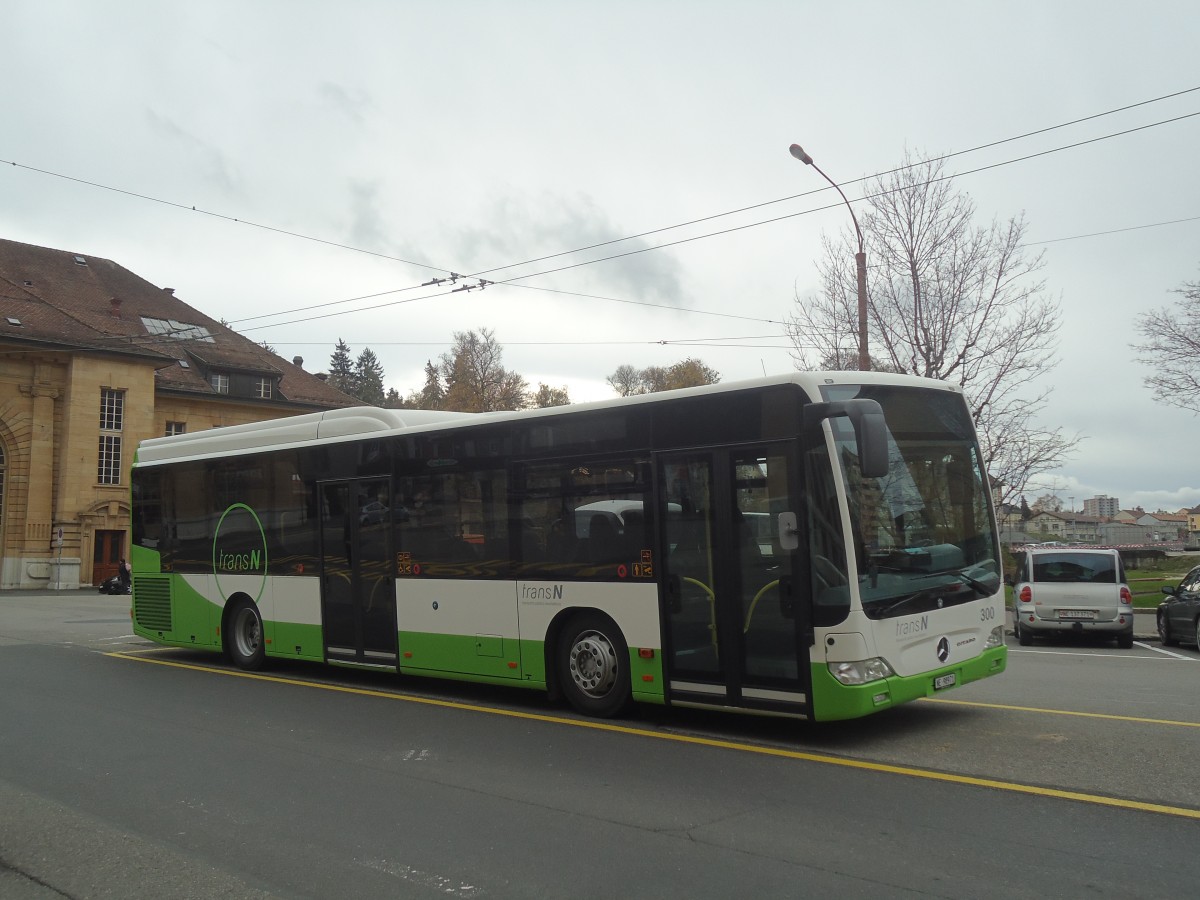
[(93, 359), (1102, 507)]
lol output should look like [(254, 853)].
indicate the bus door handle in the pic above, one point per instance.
[(674, 594)]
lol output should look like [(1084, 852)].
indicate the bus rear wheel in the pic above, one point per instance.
[(244, 636), (593, 666)]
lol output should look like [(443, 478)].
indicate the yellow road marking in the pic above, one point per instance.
[(886, 768), (1064, 712)]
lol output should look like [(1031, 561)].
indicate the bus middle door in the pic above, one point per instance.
[(358, 595), (737, 631)]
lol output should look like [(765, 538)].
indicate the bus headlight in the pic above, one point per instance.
[(995, 639), (861, 671)]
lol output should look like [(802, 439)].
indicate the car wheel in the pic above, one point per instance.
[(1125, 641), (1164, 630), (1198, 633), (1024, 638)]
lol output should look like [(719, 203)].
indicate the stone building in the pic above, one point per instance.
[(93, 359)]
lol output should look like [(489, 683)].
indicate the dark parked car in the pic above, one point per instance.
[(1179, 614)]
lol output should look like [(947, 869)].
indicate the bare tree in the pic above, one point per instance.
[(474, 377), (545, 396), (690, 372), (1171, 349), (946, 300), (1047, 503), (626, 381)]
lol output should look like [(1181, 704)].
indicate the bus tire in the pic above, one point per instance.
[(593, 665), (244, 636)]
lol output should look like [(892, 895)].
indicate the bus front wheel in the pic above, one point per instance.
[(593, 666), (244, 636)]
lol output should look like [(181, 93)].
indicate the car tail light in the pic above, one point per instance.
[(1026, 595), (1126, 597)]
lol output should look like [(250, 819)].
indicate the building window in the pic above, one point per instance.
[(112, 409), (176, 428), (219, 382), (112, 421), (109, 469), (263, 388)]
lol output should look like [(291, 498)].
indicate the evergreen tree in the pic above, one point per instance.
[(368, 378), (341, 369), (432, 395)]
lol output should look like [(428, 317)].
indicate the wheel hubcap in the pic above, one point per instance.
[(248, 633), (593, 664)]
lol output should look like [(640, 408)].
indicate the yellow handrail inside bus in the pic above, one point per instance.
[(712, 608), (754, 602)]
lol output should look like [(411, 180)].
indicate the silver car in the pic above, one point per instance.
[(1060, 590)]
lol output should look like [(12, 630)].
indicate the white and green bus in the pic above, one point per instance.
[(819, 545)]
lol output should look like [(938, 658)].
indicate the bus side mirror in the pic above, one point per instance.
[(870, 430)]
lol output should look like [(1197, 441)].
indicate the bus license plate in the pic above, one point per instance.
[(943, 681)]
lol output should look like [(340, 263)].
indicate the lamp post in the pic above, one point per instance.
[(860, 262)]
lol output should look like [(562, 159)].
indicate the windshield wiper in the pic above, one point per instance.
[(977, 586), (903, 601), (939, 592)]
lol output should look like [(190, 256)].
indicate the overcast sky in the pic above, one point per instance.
[(338, 151)]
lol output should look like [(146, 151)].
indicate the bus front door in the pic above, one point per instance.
[(737, 631), (358, 595)]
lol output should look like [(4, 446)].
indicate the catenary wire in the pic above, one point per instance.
[(604, 243)]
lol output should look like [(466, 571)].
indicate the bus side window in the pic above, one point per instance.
[(591, 513), (455, 523), (604, 544)]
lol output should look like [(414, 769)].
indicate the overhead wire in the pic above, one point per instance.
[(706, 235), (513, 280)]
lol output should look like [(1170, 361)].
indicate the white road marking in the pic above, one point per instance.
[(1112, 655), (1169, 653)]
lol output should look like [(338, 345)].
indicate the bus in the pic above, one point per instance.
[(815, 545)]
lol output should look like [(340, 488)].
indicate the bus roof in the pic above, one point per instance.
[(364, 421)]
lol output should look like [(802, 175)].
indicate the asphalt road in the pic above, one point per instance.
[(127, 770)]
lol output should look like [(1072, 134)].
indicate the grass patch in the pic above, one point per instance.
[(1147, 580)]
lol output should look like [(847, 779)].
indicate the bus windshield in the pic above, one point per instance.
[(923, 536)]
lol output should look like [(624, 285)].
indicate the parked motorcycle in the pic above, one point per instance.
[(115, 585)]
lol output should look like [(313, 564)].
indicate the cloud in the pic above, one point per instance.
[(215, 165), (517, 230), (367, 227), (353, 104)]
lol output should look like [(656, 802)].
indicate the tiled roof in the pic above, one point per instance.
[(63, 298)]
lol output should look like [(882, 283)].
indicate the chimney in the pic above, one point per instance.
[(298, 362), (115, 309)]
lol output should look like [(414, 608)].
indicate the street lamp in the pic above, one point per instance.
[(860, 262)]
